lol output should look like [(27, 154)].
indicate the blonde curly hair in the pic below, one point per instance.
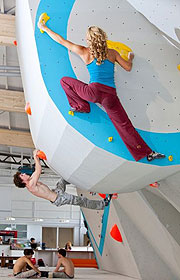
[(96, 39)]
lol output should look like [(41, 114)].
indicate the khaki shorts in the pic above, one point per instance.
[(25, 274), (61, 274)]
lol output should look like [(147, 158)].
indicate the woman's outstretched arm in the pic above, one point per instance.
[(127, 65), (78, 49)]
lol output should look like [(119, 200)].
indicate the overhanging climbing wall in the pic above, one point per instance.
[(149, 249), (150, 92), (77, 147), (163, 14)]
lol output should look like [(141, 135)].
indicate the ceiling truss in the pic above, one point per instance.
[(21, 160)]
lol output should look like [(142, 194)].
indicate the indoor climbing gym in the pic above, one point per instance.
[(89, 139)]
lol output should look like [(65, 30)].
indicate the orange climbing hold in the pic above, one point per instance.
[(41, 155), (15, 43), (115, 233), (103, 195), (28, 108), (154, 185)]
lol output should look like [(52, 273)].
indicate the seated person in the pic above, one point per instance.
[(68, 271), (8, 241), (88, 243), (20, 266), (33, 243), (68, 246)]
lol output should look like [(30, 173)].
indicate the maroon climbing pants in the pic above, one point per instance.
[(79, 93)]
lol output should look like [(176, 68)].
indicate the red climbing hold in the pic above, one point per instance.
[(114, 196), (103, 195), (115, 233), (154, 185), (15, 43)]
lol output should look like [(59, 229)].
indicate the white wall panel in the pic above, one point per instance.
[(34, 231), (5, 198), (23, 194), (47, 206), (22, 205), (52, 214), (162, 13), (75, 215), (22, 213)]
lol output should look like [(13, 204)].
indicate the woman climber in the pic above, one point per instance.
[(101, 89)]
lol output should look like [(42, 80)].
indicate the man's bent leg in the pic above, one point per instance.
[(61, 185), (61, 274), (81, 201), (62, 199), (26, 274), (87, 203)]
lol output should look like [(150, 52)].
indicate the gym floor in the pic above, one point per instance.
[(80, 273)]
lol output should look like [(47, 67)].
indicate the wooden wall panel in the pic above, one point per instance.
[(65, 235), (49, 236), (7, 30)]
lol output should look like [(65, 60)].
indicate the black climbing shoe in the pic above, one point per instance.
[(108, 199), (155, 155)]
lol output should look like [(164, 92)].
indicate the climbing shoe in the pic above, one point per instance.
[(77, 110), (155, 155), (107, 199)]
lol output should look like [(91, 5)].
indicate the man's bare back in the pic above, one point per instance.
[(68, 266), (66, 263), (20, 265)]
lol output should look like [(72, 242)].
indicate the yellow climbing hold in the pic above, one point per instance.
[(121, 48), (170, 158), (43, 17), (178, 67), (110, 139), (71, 113)]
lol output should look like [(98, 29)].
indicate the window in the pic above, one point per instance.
[(21, 229)]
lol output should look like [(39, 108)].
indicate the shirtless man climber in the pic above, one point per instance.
[(58, 196)]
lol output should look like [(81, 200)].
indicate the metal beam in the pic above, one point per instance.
[(12, 101), (10, 74), (7, 30), (16, 138), (11, 11), (13, 68), (21, 160)]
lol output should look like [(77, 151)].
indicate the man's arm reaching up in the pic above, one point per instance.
[(36, 174)]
